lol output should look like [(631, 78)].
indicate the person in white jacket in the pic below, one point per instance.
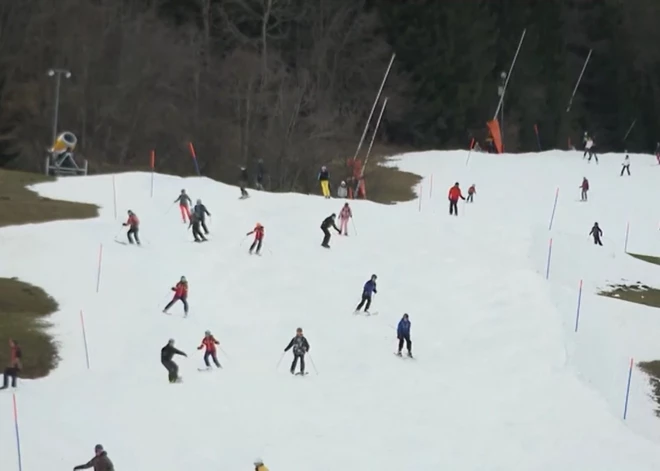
[(589, 148), (625, 166), (342, 191)]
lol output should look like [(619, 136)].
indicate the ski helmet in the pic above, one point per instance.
[(208, 332), (183, 278), (333, 215), (374, 277), (299, 330), (98, 448), (130, 212), (183, 190), (199, 201), (170, 342), (258, 461)]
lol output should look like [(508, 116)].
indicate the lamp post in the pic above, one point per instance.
[(57, 73)]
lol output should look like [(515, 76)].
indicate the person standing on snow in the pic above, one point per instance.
[(180, 294), (342, 191), (195, 222), (596, 232), (258, 232), (184, 205), (209, 342), (327, 223), (344, 215), (590, 147), (324, 180), (300, 348), (260, 175), (403, 333), (471, 192), (625, 166), (133, 224), (585, 188), (367, 292), (454, 195), (585, 140), (201, 212), (166, 355), (259, 465), (14, 366), (100, 462), (657, 152), (243, 182)]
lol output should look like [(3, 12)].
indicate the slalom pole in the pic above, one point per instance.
[(469, 152), (82, 323), (554, 208), (625, 406), (625, 244), (98, 275), (579, 303), (547, 266), (18, 435)]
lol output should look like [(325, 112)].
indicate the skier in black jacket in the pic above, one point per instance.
[(596, 232), (243, 182), (328, 222), (300, 347), (166, 354), (201, 212)]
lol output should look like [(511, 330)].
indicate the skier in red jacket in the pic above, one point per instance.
[(454, 194), (133, 224), (585, 188), (258, 232), (180, 294), (209, 342)]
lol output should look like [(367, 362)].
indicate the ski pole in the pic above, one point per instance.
[(170, 208), (280, 361), (311, 360), (223, 352), (354, 228)]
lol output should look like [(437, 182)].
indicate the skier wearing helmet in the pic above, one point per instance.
[(324, 179), (243, 182), (133, 224), (100, 462), (258, 232), (209, 342), (166, 355), (180, 294), (300, 348), (201, 212), (259, 465), (327, 223), (184, 202), (367, 292)]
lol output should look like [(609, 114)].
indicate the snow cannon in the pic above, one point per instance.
[(60, 159)]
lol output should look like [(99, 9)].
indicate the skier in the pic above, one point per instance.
[(133, 224), (243, 182), (201, 212), (209, 342), (344, 215), (258, 232), (166, 355), (342, 191), (471, 192), (100, 462), (367, 292), (403, 333), (585, 188), (585, 140), (324, 180), (180, 294), (657, 152), (328, 222), (625, 166), (596, 232), (184, 205), (260, 175), (259, 465), (454, 194), (195, 222), (590, 147), (14, 366), (300, 347)]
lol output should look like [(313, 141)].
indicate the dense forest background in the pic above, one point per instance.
[(292, 81)]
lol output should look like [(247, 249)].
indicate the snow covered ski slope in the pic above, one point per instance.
[(500, 381)]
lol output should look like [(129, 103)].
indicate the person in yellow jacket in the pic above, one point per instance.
[(324, 179), (259, 465)]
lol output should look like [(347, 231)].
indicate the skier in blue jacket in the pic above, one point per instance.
[(403, 333), (368, 290)]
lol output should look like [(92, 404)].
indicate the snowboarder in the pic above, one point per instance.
[(133, 224), (100, 462), (403, 333), (180, 294), (260, 175), (258, 232), (300, 348), (454, 194), (344, 215), (625, 165), (367, 292), (328, 222), (585, 188), (166, 355), (259, 465), (243, 182), (201, 212), (14, 366), (596, 232), (590, 148), (471, 192), (324, 180), (209, 342), (184, 205), (195, 222), (342, 191)]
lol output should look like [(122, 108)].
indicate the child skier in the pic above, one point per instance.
[(14, 366), (625, 166), (133, 224), (403, 333), (201, 212), (166, 355), (342, 191), (454, 194), (300, 348), (585, 188), (344, 215), (209, 342), (180, 294), (195, 222), (258, 232), (367, 292), (184, 205), (471, 192), (596, 232), (328, 222), (324, 180)]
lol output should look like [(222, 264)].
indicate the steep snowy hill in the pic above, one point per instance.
[(500, 381)]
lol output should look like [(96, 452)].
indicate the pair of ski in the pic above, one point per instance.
[(300, 374), (403, 357), (209, 368), (126, 243), (358, 313)]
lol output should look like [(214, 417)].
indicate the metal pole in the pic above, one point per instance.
[(58, 80), (499, 105), (373, 137), (584, 67), (630, 129), (373, 108)]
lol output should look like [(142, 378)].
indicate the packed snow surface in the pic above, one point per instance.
[(500, 380)]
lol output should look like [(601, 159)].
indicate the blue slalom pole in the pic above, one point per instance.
[(547, 266), (554, 208), (625, 408), (577, 315), (18, 435)]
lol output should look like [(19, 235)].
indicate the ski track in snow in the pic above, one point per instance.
[(501, 381)]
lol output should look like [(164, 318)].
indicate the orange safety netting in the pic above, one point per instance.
[(494, 130)]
